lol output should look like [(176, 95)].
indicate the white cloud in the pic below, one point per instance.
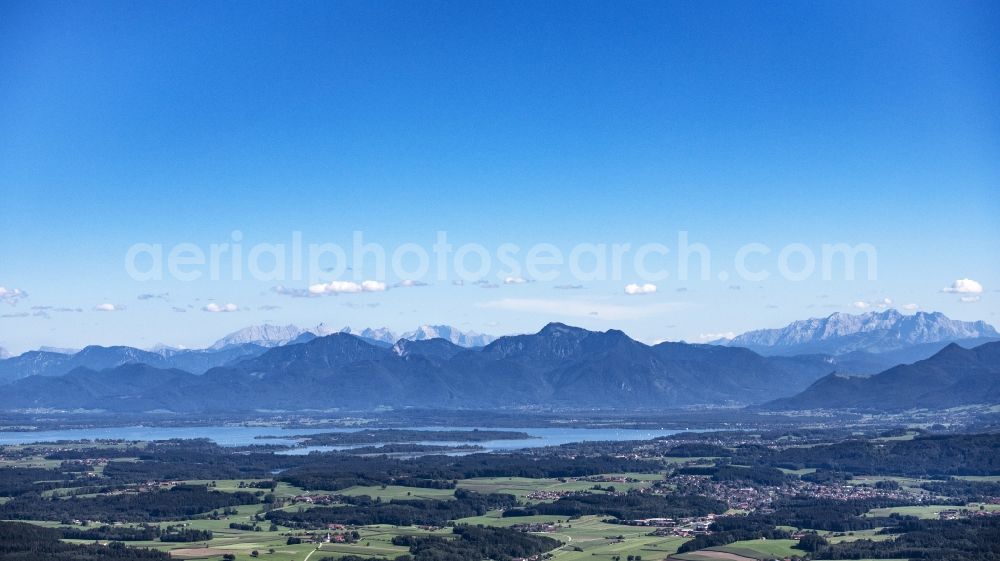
[(581, 308), (964, 286), (716, 336), (910, 307), (108, 307), (639, 289), (514, 280), (408, 283), (334, 287), (347, 287), (969, 299), (373, 286), (881, 304), (220, 308), (12, 296)]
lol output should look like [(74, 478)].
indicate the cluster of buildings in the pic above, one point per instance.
[(683, 527), (608, 479), (546, 527), (144, 487), (956, 513), (741, 496), (314, 499), (549, 495), (336, 533)]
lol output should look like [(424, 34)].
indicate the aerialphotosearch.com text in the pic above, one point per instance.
[(297, 260)]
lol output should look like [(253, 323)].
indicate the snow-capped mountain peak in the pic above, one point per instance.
[(268, 335), (460, 338), (265, 335), (879, 331), (383, 334)]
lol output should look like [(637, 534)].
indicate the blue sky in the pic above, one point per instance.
[(505, 122)]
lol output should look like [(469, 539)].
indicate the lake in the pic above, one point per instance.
[(247, 435)]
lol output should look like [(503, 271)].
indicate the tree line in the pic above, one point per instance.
[(20, 541), (177, 503), (397, 512)]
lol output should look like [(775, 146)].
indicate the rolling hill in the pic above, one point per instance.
[(953, 377)]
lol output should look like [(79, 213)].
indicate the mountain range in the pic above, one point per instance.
[(52, 363), (244, 343), (953, 377), (268, 335), (902, 338), (558, 367), (265, 335), (467, 339)]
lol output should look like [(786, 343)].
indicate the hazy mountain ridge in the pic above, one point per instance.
[(94, 357), (244, 343), (953, 377), (872, 332), (560, 366), (128, 387), (268, 335), (59, 350)]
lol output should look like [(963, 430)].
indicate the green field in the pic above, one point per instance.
[(910, 435), (494, 519), (856, 535), (376, 541), (761, 549), (697, 557), (390, 492), (697, 460), (227, 485), (521, 487), (588, 538), (987, 478), (803, 471), (927, 511), (908, 483)]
